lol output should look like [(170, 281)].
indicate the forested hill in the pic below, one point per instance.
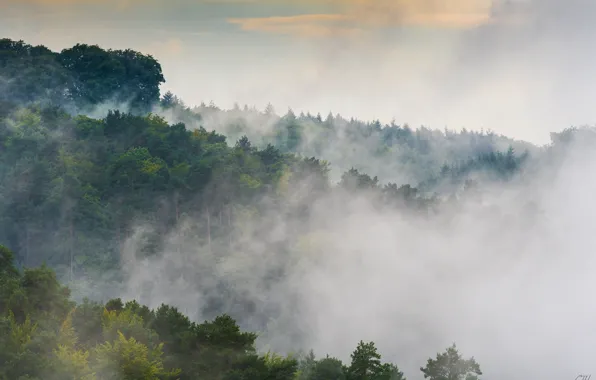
[(395, 153), (73, 188), (215, 212), (88, 79)]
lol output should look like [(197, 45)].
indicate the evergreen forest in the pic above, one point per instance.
[(141, 238)]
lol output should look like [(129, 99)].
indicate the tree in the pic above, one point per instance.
[(128, 359), (269, 110), (327, 369), (366, 362), (280, 367), (354, 180), (389, 371), (7, 268), (366, 365), (124, 76), (168, 100), (31, 73), (70, 361), (450, 365)]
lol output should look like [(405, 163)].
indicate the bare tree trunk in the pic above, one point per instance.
[(230, 223), (26, 244), (178, 237), (71, 249), (118, 233), (208, 230)]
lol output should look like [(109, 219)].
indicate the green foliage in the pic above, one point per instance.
[(129, 359), (366, 365), (327, 369), (81, 76), (450, 365), (70, 361), (17, 347), (73, 189), (130, 341)]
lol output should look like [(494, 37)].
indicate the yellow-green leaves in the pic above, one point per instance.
[(128, 359), (72, 363)]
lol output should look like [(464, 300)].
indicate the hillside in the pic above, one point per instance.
[(244, 218), (395, 153), (70, 178)]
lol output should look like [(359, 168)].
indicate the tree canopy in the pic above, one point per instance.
[(45, 335), (84, 198)]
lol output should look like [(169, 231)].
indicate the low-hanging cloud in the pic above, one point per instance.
[(508, 285), (509, 289), (518, 67)]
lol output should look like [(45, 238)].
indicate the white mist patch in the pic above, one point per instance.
[(508, 286)]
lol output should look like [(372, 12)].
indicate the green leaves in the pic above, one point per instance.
[(127, 341), (450, 365), (327, 369), (366, 365), (128, 359)]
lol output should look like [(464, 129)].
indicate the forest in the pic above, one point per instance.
[(144, 239)]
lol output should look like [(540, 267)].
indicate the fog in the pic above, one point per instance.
[(524, 73), (392, 152), (508, 285)]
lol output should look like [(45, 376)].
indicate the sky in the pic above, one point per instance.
[(517, 67)]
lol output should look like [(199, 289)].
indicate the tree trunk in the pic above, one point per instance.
[(178, 237), (26, 244), (71, 248), (230, 224), (208, 230), (118, 233)]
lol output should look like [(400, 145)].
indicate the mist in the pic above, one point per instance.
[(505, 281), (523, 73), (392, 152), (503, 270)]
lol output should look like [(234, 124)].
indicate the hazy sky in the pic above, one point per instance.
[(518, 67)]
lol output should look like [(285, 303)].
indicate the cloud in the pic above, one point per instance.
[(71, 2), (170, 47), (120, 5), (310, 25), (357, 15), (441, 13)]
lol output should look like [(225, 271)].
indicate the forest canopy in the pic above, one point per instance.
[(229, 203)]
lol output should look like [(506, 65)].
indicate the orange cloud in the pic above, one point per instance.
[(355, 16), (441, 13), (311, 25)]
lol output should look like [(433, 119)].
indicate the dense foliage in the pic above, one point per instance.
[(44, 335), (92, 196), (79, 77), (396, 153), (69, 182)]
